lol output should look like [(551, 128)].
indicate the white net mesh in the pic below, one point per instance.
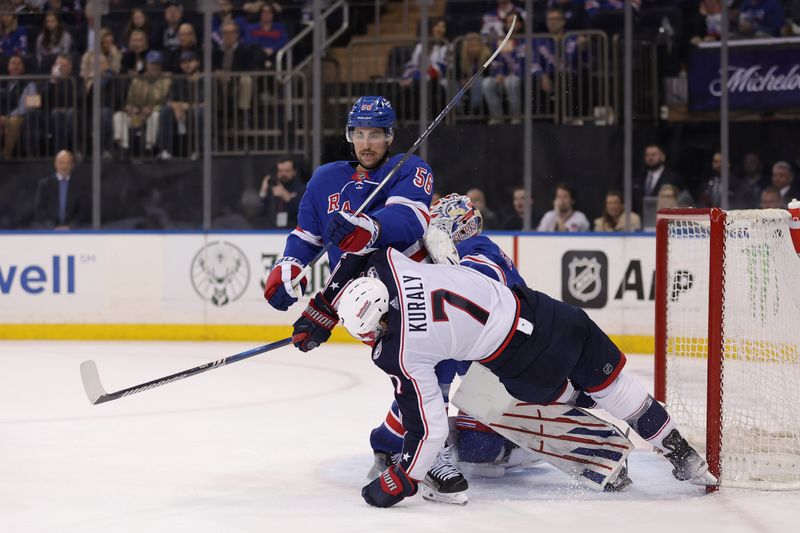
[(761, 344)]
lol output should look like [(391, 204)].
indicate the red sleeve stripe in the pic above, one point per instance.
[(307, 237), (419, 208), (513, 330), (394, 425), (420, 403), (610, 379), (485, 261)]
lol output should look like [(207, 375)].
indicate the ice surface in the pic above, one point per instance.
[(279, 443)]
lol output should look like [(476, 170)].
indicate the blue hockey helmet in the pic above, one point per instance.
[(371, 112), (456, 214)]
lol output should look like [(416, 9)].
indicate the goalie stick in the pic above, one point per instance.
[(456, 99), (97, 394)]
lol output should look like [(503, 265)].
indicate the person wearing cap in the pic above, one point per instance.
[(187, 42), (182, 116), (146, 96), (167, 38)]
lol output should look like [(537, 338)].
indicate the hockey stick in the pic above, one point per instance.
[(97, 394), (456, 99)]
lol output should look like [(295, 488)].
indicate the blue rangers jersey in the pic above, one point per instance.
[(401, 206), (480, 253)]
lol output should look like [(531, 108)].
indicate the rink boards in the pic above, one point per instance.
[(197, 285)]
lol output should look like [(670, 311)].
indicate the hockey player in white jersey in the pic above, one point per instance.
[(542, 350)]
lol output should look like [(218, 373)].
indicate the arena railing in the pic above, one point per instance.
[(40, 115), (645, 79), (584, 77)]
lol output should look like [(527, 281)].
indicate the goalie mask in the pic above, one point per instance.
[(363, 303), (456, 214)]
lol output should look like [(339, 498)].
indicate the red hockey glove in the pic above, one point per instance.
[(315, 325), (391, 487), (278, 290), (352, 233)]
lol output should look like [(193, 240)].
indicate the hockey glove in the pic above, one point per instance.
[(278, 290), (315, 325), (391, 487), (352, 233)]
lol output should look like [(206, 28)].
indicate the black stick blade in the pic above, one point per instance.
[(91, 382)]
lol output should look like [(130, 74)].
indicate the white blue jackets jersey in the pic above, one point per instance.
[(436, 312), (401, 206), (480, 253)]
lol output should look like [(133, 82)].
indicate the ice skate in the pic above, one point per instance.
[(689, 466), (444, 482)]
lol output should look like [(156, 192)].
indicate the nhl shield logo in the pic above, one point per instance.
[(584, 278)]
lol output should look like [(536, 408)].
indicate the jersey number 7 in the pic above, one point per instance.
[(440, 296)]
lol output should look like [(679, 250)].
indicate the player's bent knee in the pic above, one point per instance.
[(623, 397)]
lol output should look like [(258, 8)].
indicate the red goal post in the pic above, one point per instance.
[(727, 340)]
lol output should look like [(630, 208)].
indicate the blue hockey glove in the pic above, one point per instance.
[(278, 289), (391, 487), (315, 324), (352, 233)]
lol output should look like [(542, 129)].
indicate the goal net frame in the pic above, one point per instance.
[(710, 351)]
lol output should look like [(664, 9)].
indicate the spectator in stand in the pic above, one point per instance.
[(753, 171), (54, 39), (231, 56), (168, 39), (62, 201), (515, 220), (667, 197), (84, 30), (564, 217), (494, 22), (268, 36), (67, 12), (593, 7), (134, 59), (13, 37), (182, 116), (573, 12), (706, 25), (60, 101), (490, 220), (771, 199), (224, 14), (280, 196), (137, 21), (613, 218), (108, 50), (472, 54), (187, 42), (17, 99), (437, 65), (504, 78), (146, 96), (106, 98), (760, 18), (655, 177), (783, 180)]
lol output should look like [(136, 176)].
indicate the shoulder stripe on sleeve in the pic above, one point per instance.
[(420, 402), (310, 238), (419, 208), (483, 260)]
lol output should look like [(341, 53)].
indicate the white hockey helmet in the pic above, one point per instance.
[(361, 306)]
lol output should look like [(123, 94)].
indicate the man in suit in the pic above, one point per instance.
[(783, 180), (280, 196), (62, 201), (655, 177)]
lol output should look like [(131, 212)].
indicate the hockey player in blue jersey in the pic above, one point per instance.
[(397, 217)]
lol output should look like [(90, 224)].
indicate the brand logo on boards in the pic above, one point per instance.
[(220, 273), (55, 277), (584, 278)]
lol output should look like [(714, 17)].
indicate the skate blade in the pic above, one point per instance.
[(705, 479), (455, 498)]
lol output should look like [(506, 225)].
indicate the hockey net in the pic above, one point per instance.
[(728, 341)]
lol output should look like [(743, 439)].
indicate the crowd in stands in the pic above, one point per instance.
[(156, 48)]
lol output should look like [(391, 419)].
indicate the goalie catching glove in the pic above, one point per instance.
[(278, 290), (352, 233), (315, 324), (391, 487)]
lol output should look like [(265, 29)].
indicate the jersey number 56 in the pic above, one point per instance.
[(423, 179)]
